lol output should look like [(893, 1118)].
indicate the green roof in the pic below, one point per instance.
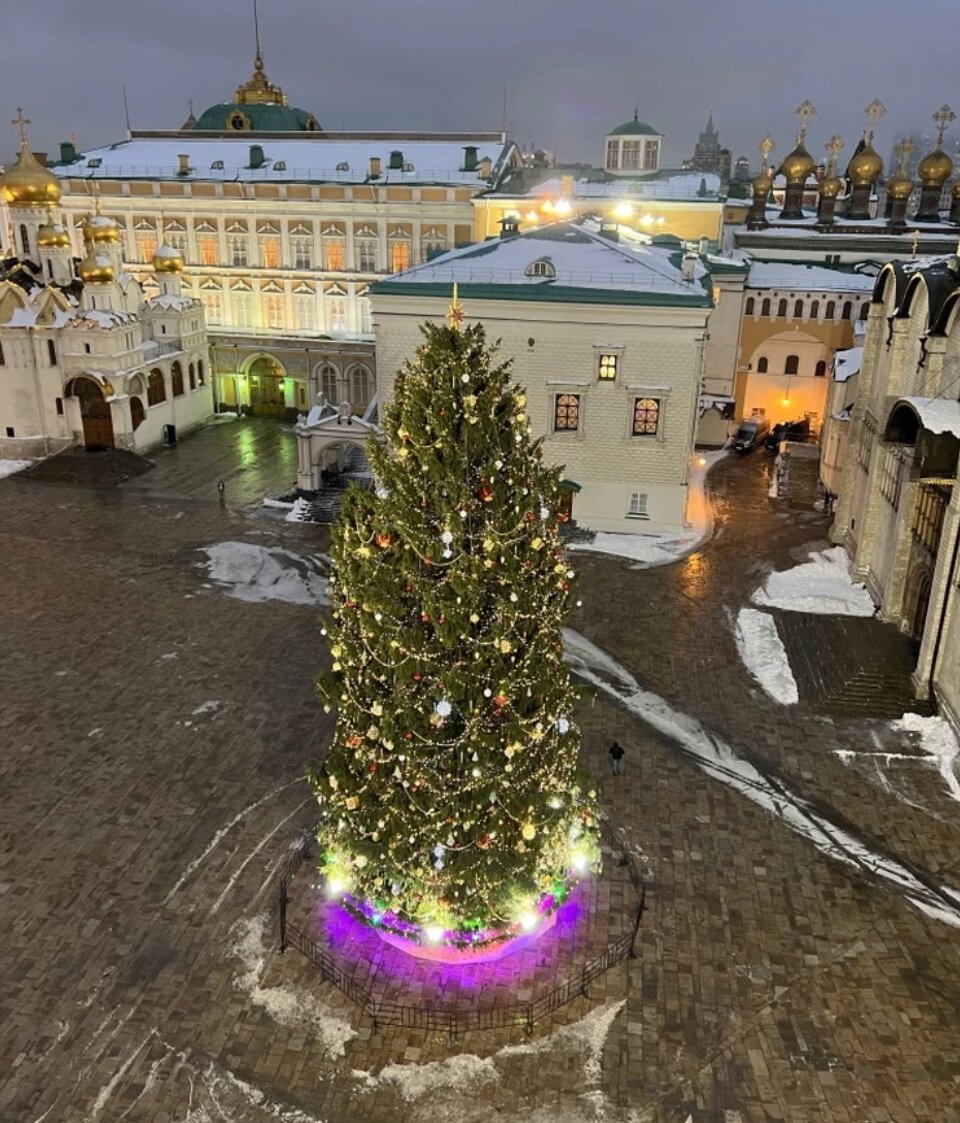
[(262, 118), (634, 128)]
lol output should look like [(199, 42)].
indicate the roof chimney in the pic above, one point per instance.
[(396, 161), (687, 266), (183, 163), (469, 158), (257, 158), (509, 226), (374, 167), (68, 152)]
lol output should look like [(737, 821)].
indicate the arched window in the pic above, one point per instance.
[(192, 375), (360, 385), (782, 309), (24, 240), (864, 310), (750, 306), (831, 310), (821, 368), (156, 391), (792, 365), (200, 373), (847, 312), (327, 382), (52, 352), (765, 307), (814, 309), (176, 379), (762, 364), (798, 310), (137, 413), (541, 268)]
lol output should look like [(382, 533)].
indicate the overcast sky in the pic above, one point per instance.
[(572, 68)]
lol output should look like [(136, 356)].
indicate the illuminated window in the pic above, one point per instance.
[(269, 246), (146, 246), (399, 256), (646, 417), (566, 413), (207, 249), (607, 370), (333, 254)]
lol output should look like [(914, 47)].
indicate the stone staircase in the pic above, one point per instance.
[(325, 506)]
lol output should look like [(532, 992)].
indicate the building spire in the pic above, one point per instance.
[(259, 90), (258, 57), (21, 122)]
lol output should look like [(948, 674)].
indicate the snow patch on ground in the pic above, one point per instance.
[(718, 760), (462, 1073), (277, 504), (651, 550), (821, 585), (285, 1005), (299, 512), (207, 708), (256, 574), (764, 655), (588, 1035), (939, 742), (10, 467)]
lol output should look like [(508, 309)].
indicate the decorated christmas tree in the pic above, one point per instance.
[(451, 808)]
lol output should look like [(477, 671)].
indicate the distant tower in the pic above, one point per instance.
[(29, 190), (708, 156), (865, 166)]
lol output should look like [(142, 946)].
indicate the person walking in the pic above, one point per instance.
[(616, 758)]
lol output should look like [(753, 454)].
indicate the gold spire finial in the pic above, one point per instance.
[(803, 113), (943, 118), (455, 313), (833, 146), (766, 146), (21, 122), (873, 112), (914, 242), (902, 150)]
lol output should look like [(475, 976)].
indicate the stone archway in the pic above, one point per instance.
[(94, 411), (917, 601), (266, 380)]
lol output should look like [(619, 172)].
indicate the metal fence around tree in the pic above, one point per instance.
[(454, 1022)]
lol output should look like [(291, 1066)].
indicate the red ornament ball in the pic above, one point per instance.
[(485, 493), (384, 540)]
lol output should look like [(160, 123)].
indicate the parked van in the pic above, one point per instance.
[(750, 432)]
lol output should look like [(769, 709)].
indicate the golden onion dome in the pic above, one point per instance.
[(797, 165), (831, 187), (935, 168), (53, 236), (955, 190), (900, 186), (96, 269), (28, 183), (100, 229), (864, 167), (761, 184), (167, 260)]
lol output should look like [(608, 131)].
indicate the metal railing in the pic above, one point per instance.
[(643, 278), (453, 1022)]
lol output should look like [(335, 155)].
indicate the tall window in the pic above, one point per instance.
[(361, 383), (201, 376), (847, 312), (814, 309), (765, 307), (928, 516), (638, 505), (751, 304), (782, 309), (302, 247), (798, 310), (327, 380), (156, 391), (399, 256), (176, 379), (820, 371), (333, 253), (891, 476), (306, 304), (24, 240), (763, 365), (273, 310), (831, 310), (337, 308), (146, 245), (646, 417), (212, 305), (607, 369), (242, 309), (207, 249), (631, 155), (366, 254), (433, 242), (176, 239), (366, 315), (269, 249), (613, 154), (651, 149), (51, 352), (792, 365), (237, 250), (566, 413)]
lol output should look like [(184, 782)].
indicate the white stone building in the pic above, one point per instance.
[(606, 333), (898, 514), (84, 358)]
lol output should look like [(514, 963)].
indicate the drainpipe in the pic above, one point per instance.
[(951, 581)]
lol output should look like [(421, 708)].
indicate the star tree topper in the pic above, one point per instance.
[(456, 312)]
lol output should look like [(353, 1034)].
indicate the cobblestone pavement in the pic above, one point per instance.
[(154, 733)]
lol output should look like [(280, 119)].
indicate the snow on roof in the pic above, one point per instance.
[(847, 364), (939, 415), (783, 275), (98, 317), (685, 186), (166, 251), (558, 256), (169, 303), (305, 159)]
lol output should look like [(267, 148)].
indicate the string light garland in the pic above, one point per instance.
[(453, 816)]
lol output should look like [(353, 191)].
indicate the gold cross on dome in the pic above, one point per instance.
[(833, 146), (902, 150), (455, 313), (766, 147), (21, 122), (943, 118), (803, 113), (874, 111)]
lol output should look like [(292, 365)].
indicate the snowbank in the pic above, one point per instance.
[(651, 550), (9, 467), (256, 574), (821, 585), (939, 742), (764, 655)]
